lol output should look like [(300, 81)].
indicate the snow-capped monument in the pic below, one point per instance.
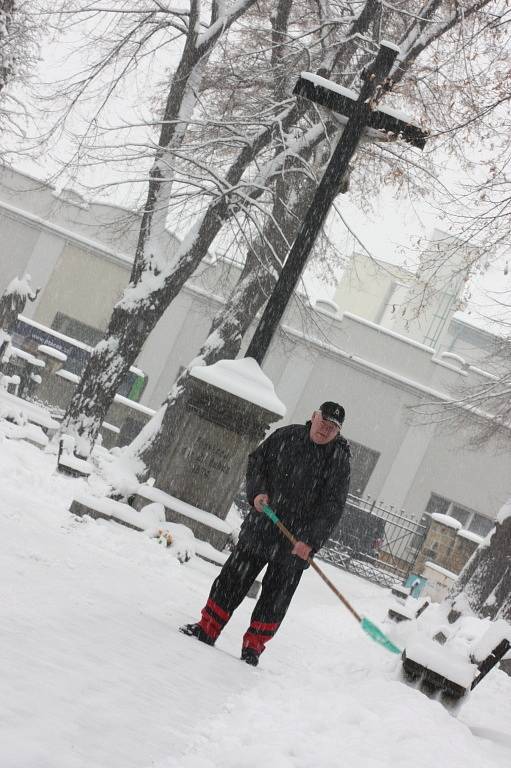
[(229, 407)]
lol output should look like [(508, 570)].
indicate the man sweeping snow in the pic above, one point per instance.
[(303, 471)]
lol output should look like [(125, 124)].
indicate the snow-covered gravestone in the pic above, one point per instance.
[(229, 407), (12, 303), (13, 300)]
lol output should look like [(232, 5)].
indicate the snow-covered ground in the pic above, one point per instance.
[(94, 673)]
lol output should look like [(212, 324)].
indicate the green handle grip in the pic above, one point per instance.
[(268, 511)]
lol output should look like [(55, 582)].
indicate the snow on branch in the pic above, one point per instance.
[(223, 22), (426, 30)]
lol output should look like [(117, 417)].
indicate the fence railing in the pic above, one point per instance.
[(375, 541)]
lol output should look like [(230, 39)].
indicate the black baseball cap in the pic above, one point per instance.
[(333, 412)]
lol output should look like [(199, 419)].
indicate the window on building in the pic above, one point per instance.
[(76, 329), (469, 518), (460, 513), (363, 462), (133, 383), (437, 505), (481, 525)]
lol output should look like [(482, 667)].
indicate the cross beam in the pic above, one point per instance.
[(342, 100), (361, 113)]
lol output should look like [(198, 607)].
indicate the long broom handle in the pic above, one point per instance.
[(287, 533)]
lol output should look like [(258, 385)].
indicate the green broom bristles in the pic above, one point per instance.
[(376, 634)]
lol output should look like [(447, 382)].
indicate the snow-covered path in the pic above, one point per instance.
[(95, 675)]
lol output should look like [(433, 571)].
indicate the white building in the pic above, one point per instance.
[(351, 350), (421, 306)]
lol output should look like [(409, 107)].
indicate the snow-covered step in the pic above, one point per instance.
[(205, 526)]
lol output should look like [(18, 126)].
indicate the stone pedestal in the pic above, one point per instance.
[(464, 547), (215, 431), (439, 542), (447, 545)]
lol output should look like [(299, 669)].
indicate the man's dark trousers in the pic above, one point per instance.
[(232, 584)]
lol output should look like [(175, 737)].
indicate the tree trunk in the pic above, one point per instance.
[(484, 585), (7, 10), (132, 320)]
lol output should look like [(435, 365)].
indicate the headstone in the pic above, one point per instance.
[(228, 409), (438, 544), (13, 300)]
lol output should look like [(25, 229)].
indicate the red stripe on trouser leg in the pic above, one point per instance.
[(209, 625), (256, 642), (213, 620), (258, 634), (218, 610), (268, 627)]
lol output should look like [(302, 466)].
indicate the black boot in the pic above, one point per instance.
[(195, 630), (250, 656)]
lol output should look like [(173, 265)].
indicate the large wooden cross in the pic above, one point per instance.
[(361, 113)]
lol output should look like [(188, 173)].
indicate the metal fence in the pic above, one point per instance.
[(375, 541)]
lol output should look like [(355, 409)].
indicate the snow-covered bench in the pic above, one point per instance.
[(68, 462), (205, 525), (440, 666), (408, 609), (26, 421)]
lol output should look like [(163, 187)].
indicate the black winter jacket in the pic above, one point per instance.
[(307, 485)]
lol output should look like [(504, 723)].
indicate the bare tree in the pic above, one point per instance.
[(157, 278), (7, 44), (20, 35), (245, 189), (136, 314), (258, 276), (481, 412)]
